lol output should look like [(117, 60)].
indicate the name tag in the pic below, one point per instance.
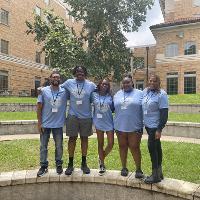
[(54, 110), (145, 112), (99, 116), (124, 107), (79, 102)]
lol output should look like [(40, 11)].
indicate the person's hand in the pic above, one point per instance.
[(39, 90), (158, 135), (40, 128)]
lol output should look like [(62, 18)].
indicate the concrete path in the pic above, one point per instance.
[(144, 137)]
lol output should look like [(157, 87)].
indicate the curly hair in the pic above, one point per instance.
[(78, 67)]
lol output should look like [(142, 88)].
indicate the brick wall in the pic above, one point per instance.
[(22, 47), (176, 9)]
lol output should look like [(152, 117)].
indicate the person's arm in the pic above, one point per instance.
[(163, 119), (163, 108), (39, 113)]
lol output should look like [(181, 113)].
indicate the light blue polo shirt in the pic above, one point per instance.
[(102, 116), (128, 111), (80, 97), (152, 102), (53, 107)]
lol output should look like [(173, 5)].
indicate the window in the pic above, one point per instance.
[(172, 83), (171, 50), (69, 17), (47, 2), (4, 16), (4, 46), (38, 11), (190, 83), (190, 48), (38, 57), (3, 80), (138, 62), (140, 84), (73, 19), (196, 2), (47, 60)]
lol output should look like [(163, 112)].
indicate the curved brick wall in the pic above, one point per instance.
[(25, 185)]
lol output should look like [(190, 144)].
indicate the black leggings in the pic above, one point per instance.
[(155, 149)]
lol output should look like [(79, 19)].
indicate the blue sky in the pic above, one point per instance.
[(144, 35)]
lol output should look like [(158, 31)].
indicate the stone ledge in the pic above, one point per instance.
[(177, 188), (14, 122)]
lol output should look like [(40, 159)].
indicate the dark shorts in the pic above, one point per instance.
[(76, 125)]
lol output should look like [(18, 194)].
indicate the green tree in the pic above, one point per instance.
[(105, 22), (60, 44)]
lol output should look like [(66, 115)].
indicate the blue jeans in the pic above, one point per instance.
[(44, 140)]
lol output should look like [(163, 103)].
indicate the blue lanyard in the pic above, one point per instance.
[(79, 91), (125, 97), (149, 97), (52, 93), (102, 103)]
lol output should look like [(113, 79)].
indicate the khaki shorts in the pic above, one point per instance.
[(75, 125)]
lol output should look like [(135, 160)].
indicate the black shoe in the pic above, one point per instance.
[(59, 169), (154, 178), (124, 172), (102, 169), (42, 171), (85, 169), (69, 170), (139, 174)]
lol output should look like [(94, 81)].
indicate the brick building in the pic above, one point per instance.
[(176, 55), (22, 67)]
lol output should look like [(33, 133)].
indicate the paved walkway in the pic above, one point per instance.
[(36, 136)]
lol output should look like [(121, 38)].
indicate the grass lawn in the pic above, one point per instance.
[(180, 161), (17, 116), (184, 117), (184, 99), (32, 115), (173, 99), (18, 100)]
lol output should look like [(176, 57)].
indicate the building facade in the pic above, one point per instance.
[(22, 65), (177, 49)]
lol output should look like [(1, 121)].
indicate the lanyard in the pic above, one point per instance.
[(102, 103), (79, 91), (125, 97), (149, 97), (52, 93)]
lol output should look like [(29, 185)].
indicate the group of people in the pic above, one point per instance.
[(125, 113)]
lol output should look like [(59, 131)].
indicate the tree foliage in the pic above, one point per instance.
[(103, 27), (59, 43), (105, 22)]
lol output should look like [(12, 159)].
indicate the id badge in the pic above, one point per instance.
[(79, 102), (145, 109), (124, 107), (145, 112), (99, 116), (54, 110)]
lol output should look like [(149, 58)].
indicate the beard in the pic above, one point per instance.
[(55, 83)]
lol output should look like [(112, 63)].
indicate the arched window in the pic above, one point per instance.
[(190, 48)]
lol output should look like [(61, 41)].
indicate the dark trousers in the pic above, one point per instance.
[(155, 149)]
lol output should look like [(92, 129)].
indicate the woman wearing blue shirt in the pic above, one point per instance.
[(103, 120), (155, 113), (128, 123)]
